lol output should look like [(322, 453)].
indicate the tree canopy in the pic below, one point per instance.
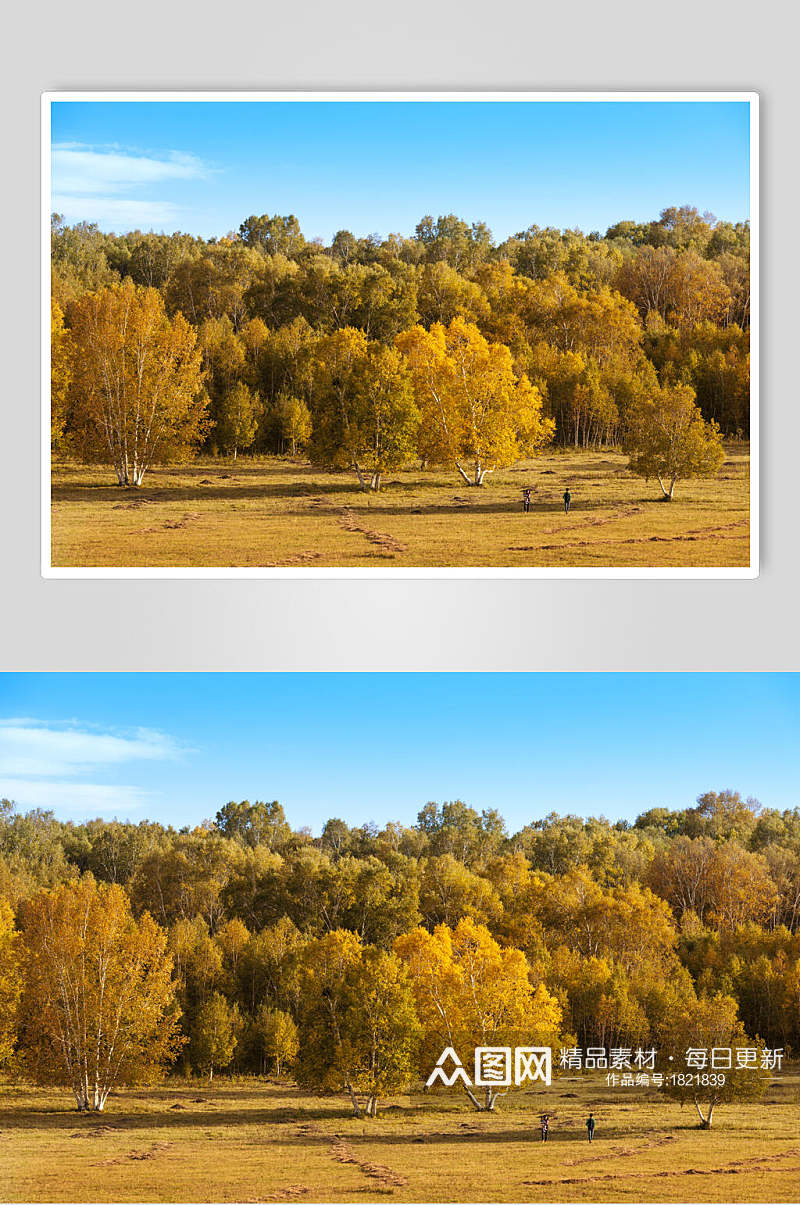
[(165, 345), (356, 956)]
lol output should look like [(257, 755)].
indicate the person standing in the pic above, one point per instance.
[(526, 500), (567, 500), (545, 1126), (590, 1127)]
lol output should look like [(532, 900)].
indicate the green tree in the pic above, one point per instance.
[(293, 418), (669, 439), (215, 1034), (236, 419), (358, 1026), (254, 823), (364, 414), (453, 240), (704, 1024), (277, 1036), (275, 235)]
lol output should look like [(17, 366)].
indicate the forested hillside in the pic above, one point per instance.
[(262, 341), (613, 930)]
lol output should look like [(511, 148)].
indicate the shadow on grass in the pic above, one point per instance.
[(347, 496), (220, 1111), (232, 483), (152, 492)]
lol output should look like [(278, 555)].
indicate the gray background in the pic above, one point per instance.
[(403, 624)]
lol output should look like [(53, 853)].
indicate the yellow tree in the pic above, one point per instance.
[(98, 1004), (471, 992), (629, 924), (9, 982), (137, 380), (669, 439), (449, 890), (232, 939), (60, 373), (476, 413), (742, 887)]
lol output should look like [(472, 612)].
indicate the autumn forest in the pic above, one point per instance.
[(350, 959), (444, 348)]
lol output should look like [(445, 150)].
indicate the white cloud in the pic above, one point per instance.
[(113, 186), (79, 170), (85, 798), (41, 750), (113, 213)]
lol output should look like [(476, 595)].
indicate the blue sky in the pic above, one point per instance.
[(175, 747), (203, 167)]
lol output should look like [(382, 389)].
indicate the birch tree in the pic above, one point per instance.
[(476, 413), (9, 982), (215, 1034), (364, 417), (236, 419), (60, 374), (276, 1034), (293, 420), (705, 1024), (358, 1026), (470, 991), (669, 439), (137, 380), (98, 1003)]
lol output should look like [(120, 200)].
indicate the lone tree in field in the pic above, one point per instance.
[(704, 1024), (358, 1027), (136, 382), (98, 1003), (471, 992), (476, 413), (669, 439), (215, 1034)]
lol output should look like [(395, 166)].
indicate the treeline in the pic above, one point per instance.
[(591, 322), (621, 929)]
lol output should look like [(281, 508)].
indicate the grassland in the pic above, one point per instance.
[(271, 512), (261, 1141)]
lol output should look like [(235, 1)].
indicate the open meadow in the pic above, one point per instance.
[(278, 512), (256, 1140)]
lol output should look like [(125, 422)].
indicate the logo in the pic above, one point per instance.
[(496, 1067)]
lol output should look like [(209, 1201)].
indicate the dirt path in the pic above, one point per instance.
[(388, 543), (381, 1175), (739, 1167)]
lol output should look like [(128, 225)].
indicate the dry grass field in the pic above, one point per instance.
[(260, 1141), (270, 512)]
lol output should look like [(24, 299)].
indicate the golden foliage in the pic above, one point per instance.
[(98, 998), (137, 378)]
